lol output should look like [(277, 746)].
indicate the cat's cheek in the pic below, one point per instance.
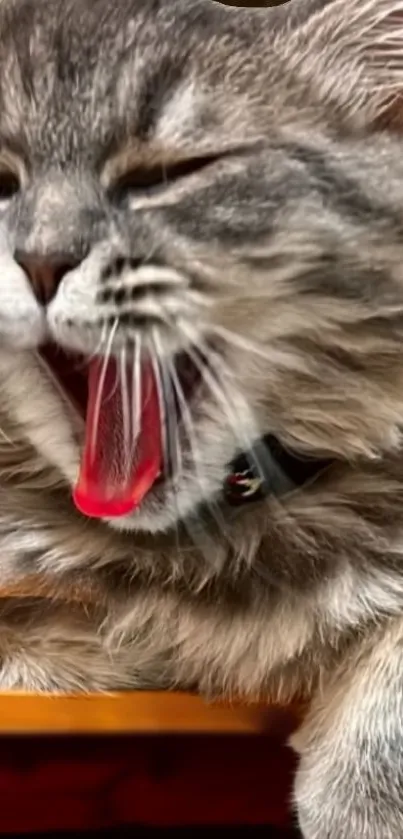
[(22, 319), (25, 332), (69, 330), (73, 315), (44, 420)]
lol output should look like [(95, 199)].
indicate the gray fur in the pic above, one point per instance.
[(285, 257)]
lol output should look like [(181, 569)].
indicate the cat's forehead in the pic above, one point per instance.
[(77, 73)]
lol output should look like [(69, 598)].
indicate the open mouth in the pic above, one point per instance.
[(130, 417)]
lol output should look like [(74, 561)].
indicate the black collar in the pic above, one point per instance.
[(269, 469)]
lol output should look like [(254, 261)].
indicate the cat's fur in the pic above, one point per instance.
[(292, 242)]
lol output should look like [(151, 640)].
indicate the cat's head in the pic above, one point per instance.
[(201, 214)]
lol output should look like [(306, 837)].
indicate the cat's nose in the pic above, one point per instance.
[(45, 273)]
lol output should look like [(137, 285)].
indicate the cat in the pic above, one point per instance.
[(201, 368)]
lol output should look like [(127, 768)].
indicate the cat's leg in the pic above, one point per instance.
[(350, 780), (52, 647)]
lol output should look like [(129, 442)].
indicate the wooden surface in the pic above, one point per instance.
[(141, 712)]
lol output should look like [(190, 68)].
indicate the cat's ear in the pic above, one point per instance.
[(353, 52)]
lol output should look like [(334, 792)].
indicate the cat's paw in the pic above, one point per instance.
[(346, 807), (358, 824)]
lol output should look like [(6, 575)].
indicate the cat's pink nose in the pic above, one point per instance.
[(44, 273)]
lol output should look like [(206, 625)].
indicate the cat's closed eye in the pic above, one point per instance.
[(160, 175)]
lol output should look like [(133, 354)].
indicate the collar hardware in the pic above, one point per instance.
[(269, 469)]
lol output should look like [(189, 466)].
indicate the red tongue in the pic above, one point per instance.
[(119, 464)]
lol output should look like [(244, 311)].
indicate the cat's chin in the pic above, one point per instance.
[(159, 512)]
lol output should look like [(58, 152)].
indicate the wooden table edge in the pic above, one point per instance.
[(130, 713)]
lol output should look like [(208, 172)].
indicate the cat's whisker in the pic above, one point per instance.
[(187, 422), (194, 447), (254, 450), (126, 413), (95, 352), (136, 392), (217, 385), (240, 342), (4, 438), (103, 338), (168, 407), (281, 358), (156, 364), (173, 452), (196, 530), (101, 385), (186, 416)]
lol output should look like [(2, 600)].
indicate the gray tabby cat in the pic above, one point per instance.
[(201, 367)]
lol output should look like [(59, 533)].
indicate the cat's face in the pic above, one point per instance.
[(167, 215)]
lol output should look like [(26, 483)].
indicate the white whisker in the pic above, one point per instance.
[(171, 413), (126, 413), (164, 419), (95, 352), (217, 384), (186, 416), (136, 392), (101, 384), (195, 528), (194, 448), (172, 450), (5, 439), (241, 342)]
